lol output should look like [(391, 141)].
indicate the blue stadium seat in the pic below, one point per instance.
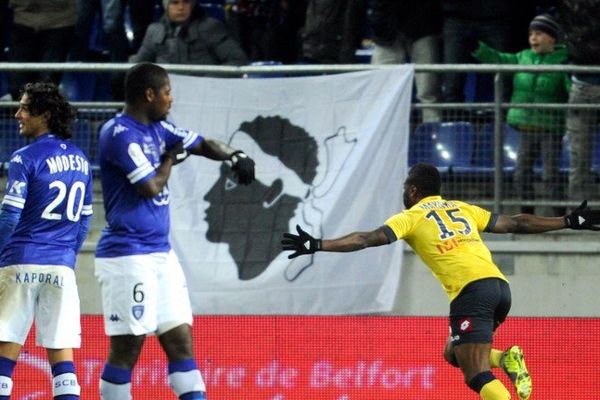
[(420, 143), (510, 147), (213, 8), (10, 139), (453, 146), (596, 153), (78, 86), (82, 136)]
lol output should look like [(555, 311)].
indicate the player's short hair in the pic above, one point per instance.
[(426, 178), (44, 97), (143, 76)]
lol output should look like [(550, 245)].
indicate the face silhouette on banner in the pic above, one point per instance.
[(251, 219)]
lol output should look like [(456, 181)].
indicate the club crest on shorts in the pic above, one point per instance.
[(465, 325), (137, 311)]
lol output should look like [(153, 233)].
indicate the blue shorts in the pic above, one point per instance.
[(478, 310)]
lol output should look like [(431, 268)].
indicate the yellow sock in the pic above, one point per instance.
[(495, 358), (494, 390)]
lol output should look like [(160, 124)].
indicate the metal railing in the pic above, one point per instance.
[(497, 107)]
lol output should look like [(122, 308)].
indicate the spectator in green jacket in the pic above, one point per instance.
[(541, 130)]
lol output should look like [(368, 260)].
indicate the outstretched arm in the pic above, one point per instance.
[(304, 243), (526, 223), (355, 241), (580, 218)]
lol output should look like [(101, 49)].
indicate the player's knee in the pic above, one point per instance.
[(450, 357), (125, 350), (177, 343), (480, 380)]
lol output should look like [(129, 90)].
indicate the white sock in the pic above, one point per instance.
[(64, 384), (113, 391), (186, 382), (6, 385)]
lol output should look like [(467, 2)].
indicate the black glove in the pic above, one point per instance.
[(583, 217), (243, 167), (302, 243), (177, 153)]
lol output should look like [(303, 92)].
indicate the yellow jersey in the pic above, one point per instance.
[(445, 234)]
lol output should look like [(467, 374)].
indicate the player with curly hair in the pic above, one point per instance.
[(44, 220)]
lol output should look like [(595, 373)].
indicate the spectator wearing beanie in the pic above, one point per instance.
[(541, 130), (545, 23)]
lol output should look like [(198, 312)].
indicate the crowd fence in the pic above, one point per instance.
[(471, 143)]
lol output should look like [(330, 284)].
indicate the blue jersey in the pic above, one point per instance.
[(129, 154), (50, 184)]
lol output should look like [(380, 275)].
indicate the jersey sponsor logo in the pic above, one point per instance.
[(119, 129), (137, 311), (17, 187), (162, 199), (34, 277), (465, 325), (150, 150), (17, 159), (447, 246), (114, 318)]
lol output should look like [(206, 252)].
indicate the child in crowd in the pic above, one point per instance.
[(541, 130)]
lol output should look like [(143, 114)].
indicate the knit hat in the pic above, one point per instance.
[(545, 23)]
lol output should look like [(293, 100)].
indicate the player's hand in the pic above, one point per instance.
[(243, 167), (583, 217), (302, 243), (177, 153)]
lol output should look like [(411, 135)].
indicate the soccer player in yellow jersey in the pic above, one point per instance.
[(445, 234)]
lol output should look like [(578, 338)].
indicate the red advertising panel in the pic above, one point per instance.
[(335, 358)]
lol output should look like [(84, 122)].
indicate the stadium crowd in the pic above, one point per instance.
[(237, 32)]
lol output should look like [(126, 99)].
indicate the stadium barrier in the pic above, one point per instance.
[(472, 144), (334, 358)]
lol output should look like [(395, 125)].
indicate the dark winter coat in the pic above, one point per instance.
[(411, 19), (203, 40)]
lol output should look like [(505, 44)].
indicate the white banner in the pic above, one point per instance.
[(331, 156)]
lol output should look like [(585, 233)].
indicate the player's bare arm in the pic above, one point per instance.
[(241, 164), (152, 187), (580, 218), (304, 243), (355, 241), (213, 149)]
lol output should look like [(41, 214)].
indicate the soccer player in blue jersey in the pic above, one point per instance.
[(44, 220), (142, 283)]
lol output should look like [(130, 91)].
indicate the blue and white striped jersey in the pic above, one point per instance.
[(129, 153), (50, 184)]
